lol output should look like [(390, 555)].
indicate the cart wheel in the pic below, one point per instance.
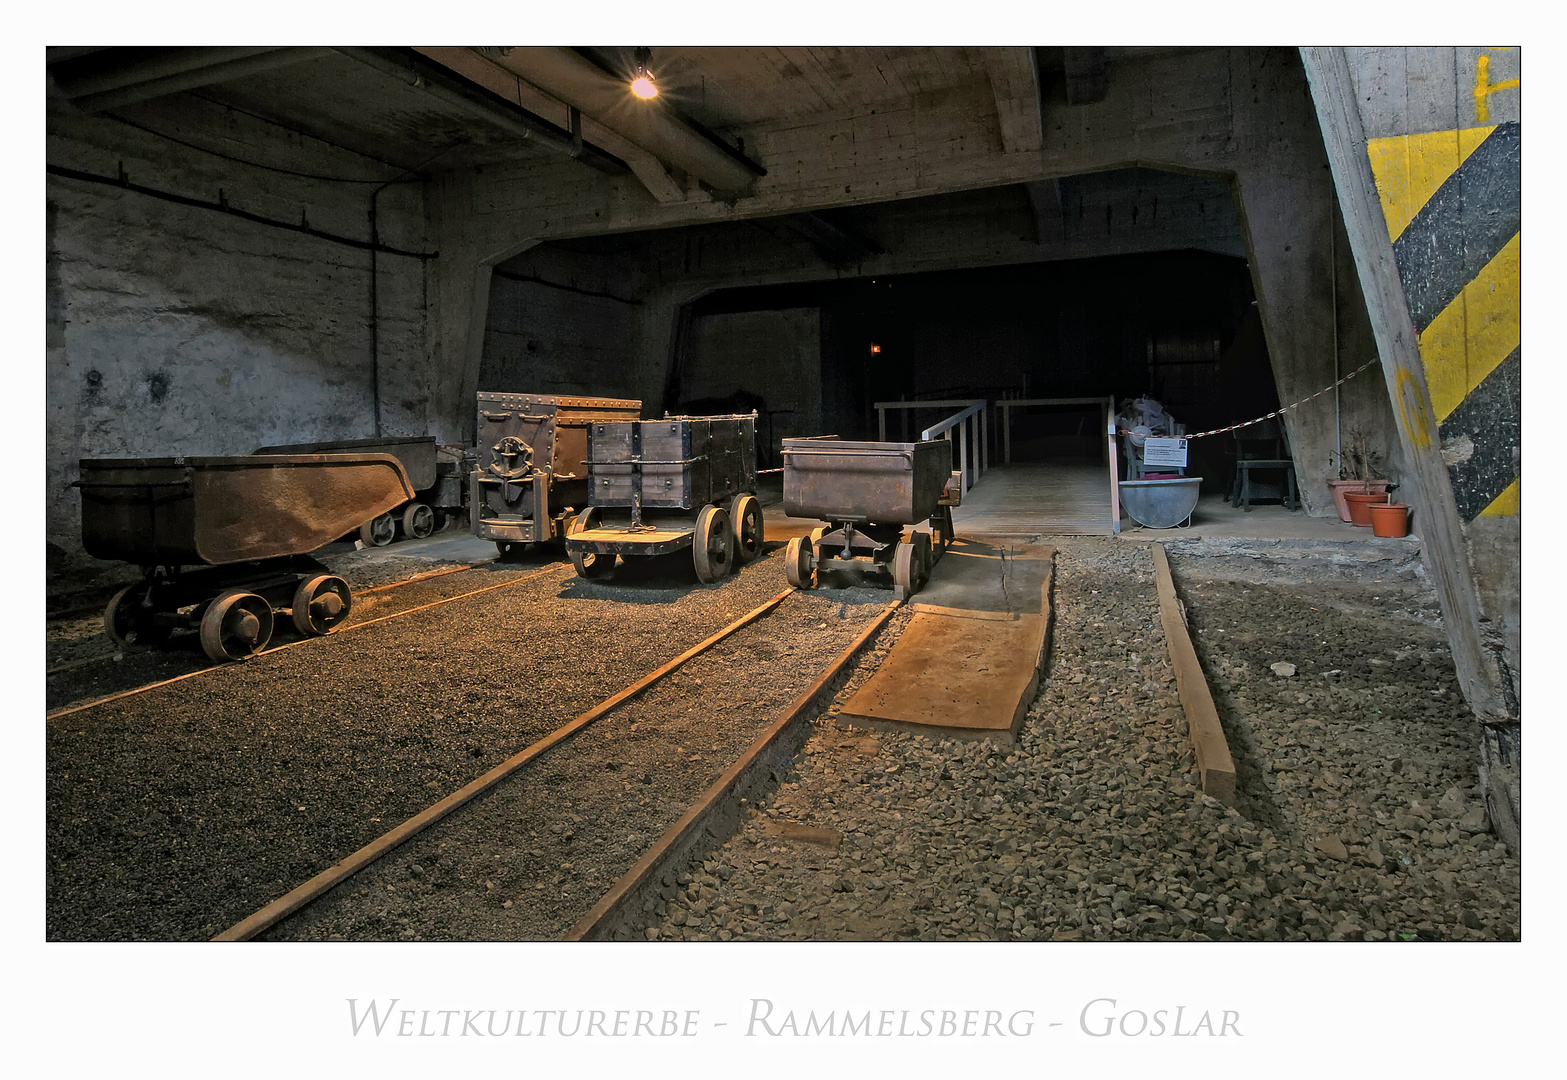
[(378, 532), (906, 571), (798, 563), (922, 550), (236, 626), (127, 625), (589, 564), (320, 604), (712, 548), (418, 520), (745, 515)]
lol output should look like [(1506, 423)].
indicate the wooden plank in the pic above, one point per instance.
[(1212, 751), (1442, 540)]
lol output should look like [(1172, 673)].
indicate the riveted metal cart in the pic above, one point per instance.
[(531, 474), (868, 492), (224, 541), (660, 486)]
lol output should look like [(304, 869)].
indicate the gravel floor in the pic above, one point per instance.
[(1356, 819), (173, 813), (529, 858)]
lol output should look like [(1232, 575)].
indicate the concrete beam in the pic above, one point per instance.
[(220, 71), (1087, 74), (1014, 80), (486, 73), (1442, 542)]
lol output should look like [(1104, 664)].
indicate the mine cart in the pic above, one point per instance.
[(868, 492), (659, 486), (223, 541), (436, 473), (531, 473)]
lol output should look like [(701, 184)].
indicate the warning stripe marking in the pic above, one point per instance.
[(1462, 227), (1410, 169), (1474, 333), (1485, 429)]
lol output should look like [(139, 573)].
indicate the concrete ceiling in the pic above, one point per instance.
[(497, 103)]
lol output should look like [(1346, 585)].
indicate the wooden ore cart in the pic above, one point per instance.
[(867, 492), (223, 541), (436, 473), (659, 486), (531, 474)]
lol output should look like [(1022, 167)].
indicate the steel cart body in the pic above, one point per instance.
[(868, 492), (436, 473), (246, 524), (660, 486), (531, 470)]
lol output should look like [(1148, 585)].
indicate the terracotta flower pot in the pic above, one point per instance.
[(1360, 504), (1390, 519), (1340, 488)]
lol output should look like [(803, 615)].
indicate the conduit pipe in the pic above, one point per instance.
[(565, 75), (223, 71)]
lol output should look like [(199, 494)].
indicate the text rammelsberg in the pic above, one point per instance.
[(1100, 1018)]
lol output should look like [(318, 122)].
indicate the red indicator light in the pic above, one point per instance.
[(875, 348)]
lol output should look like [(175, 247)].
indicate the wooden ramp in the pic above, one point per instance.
[(968, 663), (1037, 499)]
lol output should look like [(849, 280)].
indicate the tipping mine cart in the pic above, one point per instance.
[(868, 492), (531, 474), (436, 473), (659, 486), (246, 524)]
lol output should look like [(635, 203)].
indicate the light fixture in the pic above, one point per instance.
[(642, 79)]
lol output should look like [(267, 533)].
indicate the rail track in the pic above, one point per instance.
[(147, 839), (322, 883)]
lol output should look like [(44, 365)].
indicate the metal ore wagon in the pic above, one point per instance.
[(867, 492), (436, 473), (247, 524), (659, 486), (531, 478)]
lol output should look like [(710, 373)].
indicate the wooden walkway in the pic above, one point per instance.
[(1037, 499)]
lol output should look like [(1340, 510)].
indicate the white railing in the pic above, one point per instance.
[(971, 424)]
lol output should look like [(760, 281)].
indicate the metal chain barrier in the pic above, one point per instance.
[(1277, 412)]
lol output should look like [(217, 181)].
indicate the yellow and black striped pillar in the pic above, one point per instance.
[(1452, 204)]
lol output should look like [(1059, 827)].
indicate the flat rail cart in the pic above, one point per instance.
[(436, 473), (660, 486), (530, 476), (223, 542), (868, 492)]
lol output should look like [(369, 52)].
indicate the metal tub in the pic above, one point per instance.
[(1160, 504), (216, 510), (884, 482), (417, 453)]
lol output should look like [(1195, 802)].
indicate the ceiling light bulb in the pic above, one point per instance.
[(642, 86)]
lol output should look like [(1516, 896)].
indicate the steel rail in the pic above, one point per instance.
[(289, 645), (292, 901), (675, 838)]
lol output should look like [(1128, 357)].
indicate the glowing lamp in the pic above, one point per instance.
[(875, 348), (642, 86)]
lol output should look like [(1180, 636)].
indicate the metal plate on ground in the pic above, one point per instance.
[(968, 662)]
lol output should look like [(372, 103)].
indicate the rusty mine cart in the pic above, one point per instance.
[(531, 478), (659, 486), (436, 473), (246, 525), (868, 492)]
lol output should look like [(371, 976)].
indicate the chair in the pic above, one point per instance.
[(1262, 447)]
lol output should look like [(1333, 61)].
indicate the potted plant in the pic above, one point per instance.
[(1359, 470)]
